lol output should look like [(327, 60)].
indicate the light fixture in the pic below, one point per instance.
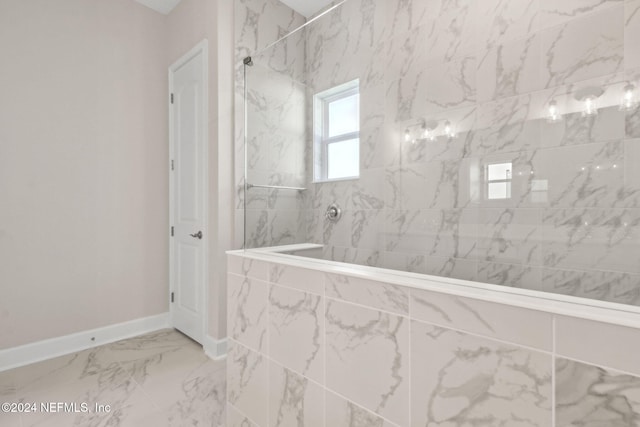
[(629, 100), (589, 96), (590, 107), (428, 128), (449, 132), (553, 114)]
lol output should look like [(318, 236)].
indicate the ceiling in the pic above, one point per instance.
[(307, 8), (162, 6)]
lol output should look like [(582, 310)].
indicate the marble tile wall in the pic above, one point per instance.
[(347, 351), (571, 223), (277, 134)]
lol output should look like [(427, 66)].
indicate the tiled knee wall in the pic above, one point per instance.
[(309, 348)]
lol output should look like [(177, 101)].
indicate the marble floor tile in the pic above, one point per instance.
[(157, 379)]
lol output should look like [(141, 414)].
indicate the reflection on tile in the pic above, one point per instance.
[(296, 331), (293, 399), (342, 413), (593, 175), (575, 129), (591, 396), (463, 380), (365, 341)]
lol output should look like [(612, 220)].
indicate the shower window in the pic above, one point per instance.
[(499, 181), (337, 133)]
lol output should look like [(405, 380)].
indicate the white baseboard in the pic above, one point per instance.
[(215, 349), (47, 349)]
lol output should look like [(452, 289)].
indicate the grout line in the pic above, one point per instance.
[(464, 331), (267, 353), (553, 371), (410, 371), (242, 414), (324, 348), (391, 313), (595, 365)]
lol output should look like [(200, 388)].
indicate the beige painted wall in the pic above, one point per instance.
[(83, 156)]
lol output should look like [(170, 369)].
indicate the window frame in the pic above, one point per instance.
[(508, 181), (322, 141)]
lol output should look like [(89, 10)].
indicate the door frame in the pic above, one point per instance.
[(201, 48)]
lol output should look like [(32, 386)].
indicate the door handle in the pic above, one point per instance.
[(198, 235)]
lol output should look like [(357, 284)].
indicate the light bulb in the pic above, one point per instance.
[(590, 106), (554, 115), (448, 130), (407, 135), (428, 134), (629, 101)]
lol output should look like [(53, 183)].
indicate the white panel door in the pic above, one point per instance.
[(189, 192)]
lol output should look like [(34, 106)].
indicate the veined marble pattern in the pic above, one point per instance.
[(158, 379), (574, 129), (510, 69), (632, 123), (236, 419), (505, 20), (631, 32), (576, 51), (247, 311), (296, 331), (600, 285), (553, 13), (525, 327), (248, 267), (510, 236), (513, 275), (373, 294), (592, 239), (247, 382), (591, 396), (342, 413), (459, 379), (491, 68), (294, 400), (354, 334)]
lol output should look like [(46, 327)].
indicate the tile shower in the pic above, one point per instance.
[(491, 69), (448, 90)]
